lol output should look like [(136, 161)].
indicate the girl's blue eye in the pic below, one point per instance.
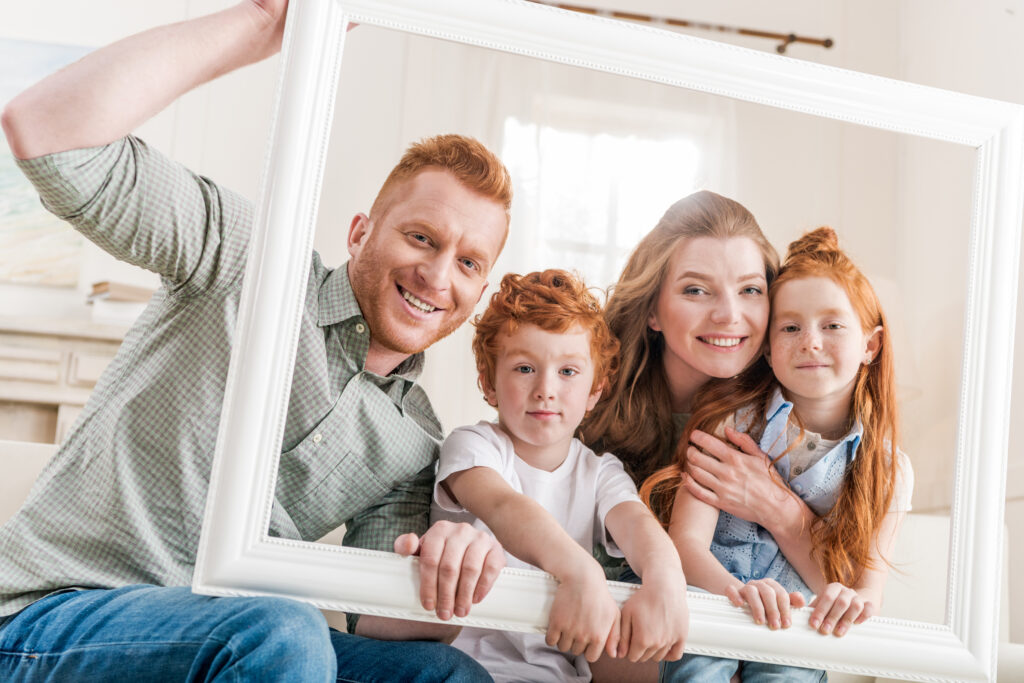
[(693, 291), (834, 326), (569, 372), (523, 369), (790, 328), (752, 290)]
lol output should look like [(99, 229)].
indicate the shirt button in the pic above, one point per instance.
[(811, 445), (360, 328), (798, 488), (317, 438)]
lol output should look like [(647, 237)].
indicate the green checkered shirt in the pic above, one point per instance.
[(122, 501)]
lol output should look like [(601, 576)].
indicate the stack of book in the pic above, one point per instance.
[(117, 303)]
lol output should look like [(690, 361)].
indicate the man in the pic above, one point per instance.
[(116, 515)]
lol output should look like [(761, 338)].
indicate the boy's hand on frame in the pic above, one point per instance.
[(655, 621), (768, 601), (837, 608), (458, 566), (584, 618)]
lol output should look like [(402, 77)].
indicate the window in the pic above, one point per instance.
[(586, 193)]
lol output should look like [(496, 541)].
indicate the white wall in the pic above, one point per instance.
[(978, 48)]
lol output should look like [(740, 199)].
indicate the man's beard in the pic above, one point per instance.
[(365, 281)]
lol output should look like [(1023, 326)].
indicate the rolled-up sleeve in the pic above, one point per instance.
[(147, 210)]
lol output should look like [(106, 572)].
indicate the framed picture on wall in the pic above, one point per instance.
[(35, 246)]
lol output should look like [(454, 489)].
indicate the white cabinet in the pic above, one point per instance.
[(48, 368)]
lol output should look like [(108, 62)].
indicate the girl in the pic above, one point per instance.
[(826, 414)]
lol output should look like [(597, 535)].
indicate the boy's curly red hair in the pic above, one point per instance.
[(553, 300)]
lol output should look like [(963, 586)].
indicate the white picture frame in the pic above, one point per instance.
[(237, 557)]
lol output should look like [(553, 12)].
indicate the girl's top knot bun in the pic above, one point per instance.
[(821, 242)]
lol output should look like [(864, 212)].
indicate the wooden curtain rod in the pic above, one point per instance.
[(785, 39)]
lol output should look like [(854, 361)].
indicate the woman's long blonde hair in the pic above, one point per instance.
[(841, 538), (634, 418)]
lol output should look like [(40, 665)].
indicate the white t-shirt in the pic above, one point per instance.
[(578, 494)]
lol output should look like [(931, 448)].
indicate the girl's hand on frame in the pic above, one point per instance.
[(584, 618), (739, 481), (768, 601), (655, 621), (837, 608)]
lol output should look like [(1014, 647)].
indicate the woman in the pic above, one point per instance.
[(691, 304)]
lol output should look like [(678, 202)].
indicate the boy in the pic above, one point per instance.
[(544, 353)]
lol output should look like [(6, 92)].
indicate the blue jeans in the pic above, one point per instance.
[(147, 633), (704, 669)]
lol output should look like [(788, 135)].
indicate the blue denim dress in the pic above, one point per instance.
[(749, 552)]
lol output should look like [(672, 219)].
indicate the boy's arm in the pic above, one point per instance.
[(584, 617), (656, 619), (109, 92)]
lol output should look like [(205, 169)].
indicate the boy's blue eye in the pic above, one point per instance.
[(523, 369)]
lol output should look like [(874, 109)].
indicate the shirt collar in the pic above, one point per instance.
[(779, 407), (337, 300), (338, 305)]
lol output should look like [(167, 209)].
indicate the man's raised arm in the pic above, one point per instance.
[(111, 91)]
